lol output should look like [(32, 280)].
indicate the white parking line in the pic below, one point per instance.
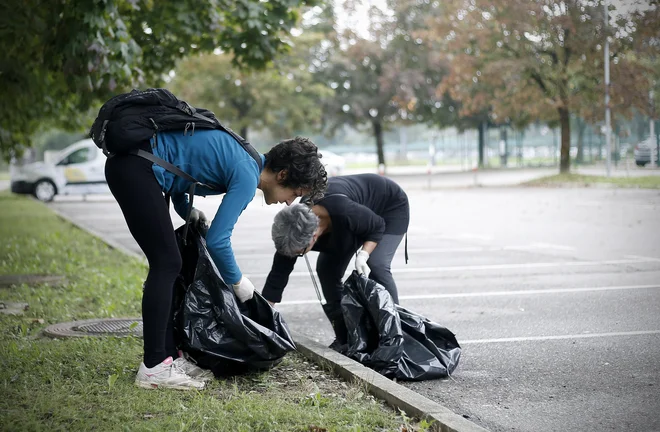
[(553, 246), (463, 236), (492, 267), (528, 292), (246, 253), (560, 337), (642, 258), (503, 293)]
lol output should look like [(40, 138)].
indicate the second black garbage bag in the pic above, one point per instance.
[(214, 328), (392, 340)]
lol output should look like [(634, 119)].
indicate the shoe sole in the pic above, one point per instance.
[(152, 386)]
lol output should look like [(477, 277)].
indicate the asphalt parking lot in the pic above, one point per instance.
[(553, 293)]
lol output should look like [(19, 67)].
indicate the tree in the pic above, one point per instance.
[(376, 80), (281, 97), (540, 58), (60, 58), (437, 106)]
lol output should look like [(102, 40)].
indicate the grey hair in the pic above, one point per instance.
[(293, 229)]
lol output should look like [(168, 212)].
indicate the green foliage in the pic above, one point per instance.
[(61, 58), (281, 97)]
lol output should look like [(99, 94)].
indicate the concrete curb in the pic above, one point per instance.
[(413, 404), (398, 396), (110, 242)]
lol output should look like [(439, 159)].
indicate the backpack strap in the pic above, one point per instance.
[(168, 166), (406, 248), (246, 145), (189, 109), (177, 171)]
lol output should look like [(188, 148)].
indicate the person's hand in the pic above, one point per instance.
[(244, 289), (361, 263), (199, 221)]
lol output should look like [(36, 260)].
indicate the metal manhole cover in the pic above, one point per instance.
[(97, 327)]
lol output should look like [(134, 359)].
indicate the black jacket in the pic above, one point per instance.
[(362, 208)]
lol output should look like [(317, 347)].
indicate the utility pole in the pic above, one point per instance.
[(608, 120), (652, 128)]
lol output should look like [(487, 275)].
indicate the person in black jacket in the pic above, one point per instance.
[(366, 212)]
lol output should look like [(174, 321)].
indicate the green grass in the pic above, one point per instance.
[(4, 175), (644, 182), (87, 383)]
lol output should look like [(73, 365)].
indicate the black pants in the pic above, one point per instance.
[(134, 186), (331, 269)]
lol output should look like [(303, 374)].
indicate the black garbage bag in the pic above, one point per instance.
[(375, 337), (392, 340), (213, 327)]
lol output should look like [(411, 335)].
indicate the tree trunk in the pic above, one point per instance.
[(244, 131), (378, 133), (581, 125), (521, 138), (482, 142), (504, 152), (565, 154), (657, 143)]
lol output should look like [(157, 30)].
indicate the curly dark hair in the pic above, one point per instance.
[(301, 159)]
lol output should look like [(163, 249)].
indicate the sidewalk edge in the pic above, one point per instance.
[(113, 244), (396, 395)]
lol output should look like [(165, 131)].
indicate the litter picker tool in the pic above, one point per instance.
[(316, 286)]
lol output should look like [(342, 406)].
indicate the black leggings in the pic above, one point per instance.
[(134, 186)]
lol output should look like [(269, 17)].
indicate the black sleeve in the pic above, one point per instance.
[(363, 222), (278, 277)]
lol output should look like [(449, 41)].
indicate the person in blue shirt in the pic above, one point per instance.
[(291, 169)]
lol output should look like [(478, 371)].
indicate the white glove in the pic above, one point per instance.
[(244, 289), (361, 263), (199, 221)]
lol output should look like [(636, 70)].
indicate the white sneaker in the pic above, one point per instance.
[(167, 374), (191, 369)]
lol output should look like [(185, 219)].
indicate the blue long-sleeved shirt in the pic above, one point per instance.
[(215, 158)]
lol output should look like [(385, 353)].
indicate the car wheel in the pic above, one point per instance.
[(640, 164), (44, 190)]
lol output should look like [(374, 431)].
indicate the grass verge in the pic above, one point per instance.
[(644, 182), (82, 384)]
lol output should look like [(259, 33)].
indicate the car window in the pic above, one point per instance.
[(78, 156)]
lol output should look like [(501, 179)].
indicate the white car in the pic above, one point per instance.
[(77, 169), (334, 164)]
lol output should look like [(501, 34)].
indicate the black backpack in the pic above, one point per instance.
[(128, 120)]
